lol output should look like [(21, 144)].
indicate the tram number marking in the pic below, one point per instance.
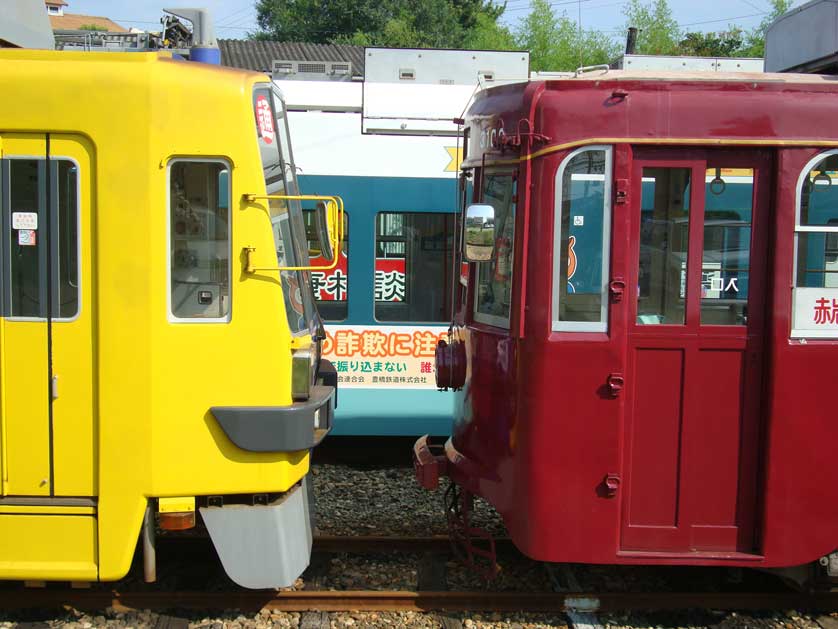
[(264, 118), (25, 220)]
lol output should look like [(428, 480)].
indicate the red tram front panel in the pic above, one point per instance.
[(650, 373)]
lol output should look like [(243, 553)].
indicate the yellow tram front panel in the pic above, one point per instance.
[(132, 384)]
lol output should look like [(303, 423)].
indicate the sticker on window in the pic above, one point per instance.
[(27, 238), (24, 220), (264, 119)]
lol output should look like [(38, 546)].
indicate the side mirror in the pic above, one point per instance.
[(324, 233), (480, 233)]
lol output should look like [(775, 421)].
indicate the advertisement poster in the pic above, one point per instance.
[(332, 285), (815, 312), (383, 356)]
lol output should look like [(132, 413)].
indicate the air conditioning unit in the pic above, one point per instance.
[(290, 69)]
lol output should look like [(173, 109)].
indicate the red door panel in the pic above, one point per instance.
[(695, 351)]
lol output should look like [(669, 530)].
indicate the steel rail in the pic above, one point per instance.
[(359, 544), (390, 543), (329, 600)]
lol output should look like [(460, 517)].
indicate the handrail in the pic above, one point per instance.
[(583, 69), (335, 242)]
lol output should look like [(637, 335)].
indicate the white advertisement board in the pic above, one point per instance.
[(815, 313)]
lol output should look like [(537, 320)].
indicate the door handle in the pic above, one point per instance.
[(615, 383), (617, 287)]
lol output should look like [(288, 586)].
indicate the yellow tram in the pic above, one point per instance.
[(159, 339)]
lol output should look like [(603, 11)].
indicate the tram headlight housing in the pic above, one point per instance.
[(301, 370)]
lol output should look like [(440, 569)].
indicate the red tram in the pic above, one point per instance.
[(646, 342)]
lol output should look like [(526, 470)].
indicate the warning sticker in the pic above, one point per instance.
[(27, 237), (264, 119), (24, 220)]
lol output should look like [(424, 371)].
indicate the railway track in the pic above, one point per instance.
[(300, 601), (129, 596)]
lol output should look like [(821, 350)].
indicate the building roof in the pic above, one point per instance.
[(252, 54), (57, 3), (73, 22)]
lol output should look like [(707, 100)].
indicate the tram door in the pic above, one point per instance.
[(695, 350), (47, 431)]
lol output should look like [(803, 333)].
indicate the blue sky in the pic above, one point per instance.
[(234, 18)]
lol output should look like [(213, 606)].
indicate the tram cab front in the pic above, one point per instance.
[(644, 344), (159, 341)]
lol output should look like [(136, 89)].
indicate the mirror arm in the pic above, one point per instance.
[(249, 252), (251, 268)]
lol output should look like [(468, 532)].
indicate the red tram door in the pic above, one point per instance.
[(695, 350)]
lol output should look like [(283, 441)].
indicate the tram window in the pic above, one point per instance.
[(27, 262), (412, 266), (664, 239), (27, 253), (494, 278), (815, 293), (199, 240), (330, 288), (68, 239), (817, 226), (725, 261), (583, 219)]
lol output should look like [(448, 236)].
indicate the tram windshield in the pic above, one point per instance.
[(286, 216)]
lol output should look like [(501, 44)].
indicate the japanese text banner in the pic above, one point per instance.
[(391, 357), (815, 312)]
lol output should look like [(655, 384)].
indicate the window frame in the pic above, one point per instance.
[(6, 250), (227, 163), (557, 325), (482, 317), (344, 251), (796, 333), (407, 271)]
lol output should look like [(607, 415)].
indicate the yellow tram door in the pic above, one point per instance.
[(47, 421)]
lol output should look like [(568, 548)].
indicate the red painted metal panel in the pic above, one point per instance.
[(713, 440), (654, 442)]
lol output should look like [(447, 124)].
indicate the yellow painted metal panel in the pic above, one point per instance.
[(74, 421), (48, 547), (23, 381), (46, 510), (176, 505), (26, 407)]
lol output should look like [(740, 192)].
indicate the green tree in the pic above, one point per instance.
[(658, 32), (724, 44), (397, 23), (92, 27), (487, 34), (755, 40), (556, 43)]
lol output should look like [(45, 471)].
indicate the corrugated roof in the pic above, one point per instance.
[(72, 22), (252, 54)]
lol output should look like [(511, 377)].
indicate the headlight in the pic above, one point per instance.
[(301, 361)]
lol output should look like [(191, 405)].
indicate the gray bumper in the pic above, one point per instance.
[(299, 426), (263, 546)]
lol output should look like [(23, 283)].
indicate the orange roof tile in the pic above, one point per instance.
[(72, 22)]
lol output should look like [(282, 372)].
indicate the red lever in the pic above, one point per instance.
[(615, 383), (618, 287)]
